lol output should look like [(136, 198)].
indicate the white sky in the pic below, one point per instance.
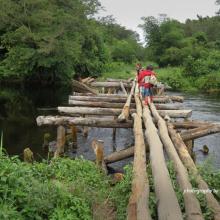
[(129, 12)]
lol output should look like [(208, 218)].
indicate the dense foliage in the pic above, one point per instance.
[(76, 189), (48, 40), (194, 46)]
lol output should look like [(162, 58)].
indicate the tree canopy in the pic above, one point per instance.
[(42, 39)]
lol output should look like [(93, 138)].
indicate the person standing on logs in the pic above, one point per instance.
[(146, 80)]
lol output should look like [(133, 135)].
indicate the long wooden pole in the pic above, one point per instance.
[(60, 141), (98, 104), (81, 87), (176, 113), (79, 121), (192, 206), (126, 109), (168, 207), (123, 88), (119, 155), (190, 165), (110, 84), (200, 132), (123, 96), (138, 202)]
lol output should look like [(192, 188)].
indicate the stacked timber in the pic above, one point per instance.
[(114, 111)]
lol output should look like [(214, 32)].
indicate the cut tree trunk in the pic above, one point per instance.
[(191, 167), (199, 132), (113, 99), (167, 207), (173, 98), (192, 206), (61, 139), (169, 106), (98, 104), (119, 80), (139, 200), (99, 98), (91, 111), (79, 121), (119, 155), (123, 88), (81, 87), (126, 109), (110, 84), (191, 124), (176, 113)]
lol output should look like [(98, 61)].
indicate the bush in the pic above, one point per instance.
[(209, 83), (204, 65), (174, 78)]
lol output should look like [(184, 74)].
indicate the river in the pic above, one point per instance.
[(20, 107)]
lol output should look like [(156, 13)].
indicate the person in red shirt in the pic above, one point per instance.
[(145, 78)]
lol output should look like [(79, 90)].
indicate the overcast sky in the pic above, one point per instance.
[(129, 12)]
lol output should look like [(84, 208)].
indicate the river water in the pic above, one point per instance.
[(20, 107)]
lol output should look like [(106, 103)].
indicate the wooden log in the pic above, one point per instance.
[(119, 80), (90, 80), (99, 99), (114, 131), (173, 98), (113, 99), (161, 99), (85, 128), (91, 111), (160, 91), (110, 84), (28, 155), (119, 155), (191, 124), (98, 104), (168, 207), (100, 95), (191, 167), (122, 154), (85, 80), (168, 106), (73, 129), (138, 203), (192, 206), (79, 121), (126, 109), (123, 88), (61, 139), (175, 113), (81, 87), (199, 132), (98, 148)]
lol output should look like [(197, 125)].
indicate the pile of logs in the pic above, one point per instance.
[(162, 125)]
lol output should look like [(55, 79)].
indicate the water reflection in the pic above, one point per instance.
[(18, 112)]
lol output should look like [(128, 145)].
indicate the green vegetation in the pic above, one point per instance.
[(43, 42), (192, 46), (52, 40), (76, 189)]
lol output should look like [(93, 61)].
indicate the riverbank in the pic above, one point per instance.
[(77, 189)]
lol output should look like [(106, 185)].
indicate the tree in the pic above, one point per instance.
[(43, 38)]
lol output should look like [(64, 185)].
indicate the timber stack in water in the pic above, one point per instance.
[(163, 125)]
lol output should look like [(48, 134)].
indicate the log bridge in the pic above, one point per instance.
[(162, 126)]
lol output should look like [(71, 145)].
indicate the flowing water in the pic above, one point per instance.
[(20, 107)]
